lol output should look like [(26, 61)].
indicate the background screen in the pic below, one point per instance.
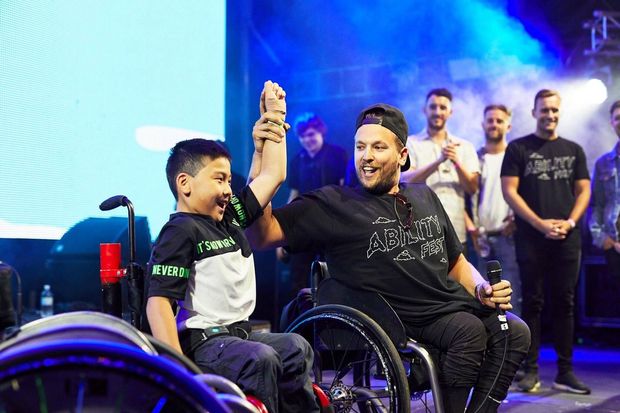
[(92, 96)]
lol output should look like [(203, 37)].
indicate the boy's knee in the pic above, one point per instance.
[(299, 355), (266, 357), (300, 345)]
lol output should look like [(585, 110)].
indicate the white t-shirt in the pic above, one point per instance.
[(445, 180), (492, 209)]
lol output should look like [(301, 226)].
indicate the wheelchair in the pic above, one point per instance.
[(364, 360), (92, 362)]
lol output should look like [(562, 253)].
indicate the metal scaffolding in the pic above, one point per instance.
[(604, 34)]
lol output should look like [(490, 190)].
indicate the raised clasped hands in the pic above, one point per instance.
[(272, 98), (271, 125)]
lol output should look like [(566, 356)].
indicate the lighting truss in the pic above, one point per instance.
[(604, 34)]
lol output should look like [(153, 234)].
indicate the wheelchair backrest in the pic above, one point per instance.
[(373, 304)]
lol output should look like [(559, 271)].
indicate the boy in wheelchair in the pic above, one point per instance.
[(203, 262), (396, 239)]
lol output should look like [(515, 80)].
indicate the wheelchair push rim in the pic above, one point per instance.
[(356, 364)]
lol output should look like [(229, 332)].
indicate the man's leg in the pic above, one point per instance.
[(563, 282), (296, 394), (255, 367), (461, 338), (505, 350), (532, 271)]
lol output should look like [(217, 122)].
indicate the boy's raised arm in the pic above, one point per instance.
[(268, 170), (266, 231)]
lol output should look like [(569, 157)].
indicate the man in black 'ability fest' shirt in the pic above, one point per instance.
[(545, 181), (396, 239)]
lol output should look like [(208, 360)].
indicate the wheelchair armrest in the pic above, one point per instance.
[(373, 304)]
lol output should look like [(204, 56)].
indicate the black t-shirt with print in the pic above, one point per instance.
[(190, 238), (547, 171), (366, 247)]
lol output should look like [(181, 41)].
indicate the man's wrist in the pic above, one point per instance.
[(478, 292), (572, 223), (536, 222)]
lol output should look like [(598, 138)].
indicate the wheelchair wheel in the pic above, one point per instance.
[(91, 362), (355, 362)]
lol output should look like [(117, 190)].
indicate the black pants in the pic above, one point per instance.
[(553, 266), (472, 347), (273, 367)]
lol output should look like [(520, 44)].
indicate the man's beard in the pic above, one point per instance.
[(430, 126), (384, 184), (494, 140)]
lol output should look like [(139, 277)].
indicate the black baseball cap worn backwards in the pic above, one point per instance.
[(392, 119)]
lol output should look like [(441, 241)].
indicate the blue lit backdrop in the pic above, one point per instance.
[(336, 58), (77, 80)]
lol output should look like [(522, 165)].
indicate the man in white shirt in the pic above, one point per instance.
[(448, 164), (494, 226)]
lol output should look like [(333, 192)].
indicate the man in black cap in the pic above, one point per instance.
[(396, 239)]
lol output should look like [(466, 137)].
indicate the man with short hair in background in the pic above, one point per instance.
[(605, 218), (446, 163), (545, 181), (493, 229)]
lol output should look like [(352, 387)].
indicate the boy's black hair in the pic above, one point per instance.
[(189, 157)]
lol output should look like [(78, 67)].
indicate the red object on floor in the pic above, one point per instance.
[(257, 403)]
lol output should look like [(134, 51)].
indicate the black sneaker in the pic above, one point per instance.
[(568, 382), (530, 383)]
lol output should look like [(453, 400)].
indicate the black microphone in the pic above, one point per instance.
[(494, 275), (113, 202)]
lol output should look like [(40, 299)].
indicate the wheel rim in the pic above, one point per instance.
[(352, 365)]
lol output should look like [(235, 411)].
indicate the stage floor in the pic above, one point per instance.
[(598, 368)]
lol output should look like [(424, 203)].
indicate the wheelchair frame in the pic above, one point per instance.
[(381, 328)]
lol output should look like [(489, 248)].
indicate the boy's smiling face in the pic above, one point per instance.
[(208, 192)]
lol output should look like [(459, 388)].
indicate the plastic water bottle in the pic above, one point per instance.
[(47, 301), (483, 243)]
